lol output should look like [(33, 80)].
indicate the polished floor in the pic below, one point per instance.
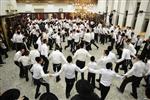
[(9, 78)]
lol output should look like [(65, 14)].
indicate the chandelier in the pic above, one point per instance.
[(82, 8)]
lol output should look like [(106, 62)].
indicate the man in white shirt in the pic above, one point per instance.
[(81, 56), (26, 64), (125, 60), (18, 40), (92, 38), (44, 55), (91, 76), (69, 68), (134, 75), (16, 58), (57, 58), (38, 75), (107, 76), (87, 40), (34, 53), (138, 44)]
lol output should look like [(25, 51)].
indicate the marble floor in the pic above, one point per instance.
[(9, 78)]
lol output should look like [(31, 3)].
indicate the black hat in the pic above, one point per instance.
[(83, 87), (48, 96), (11, 94)]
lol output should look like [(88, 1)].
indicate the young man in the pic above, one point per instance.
[(44, 55), (26, 63), (34, 53), (81, 56), (57, 58), (134, 75), (91, 76), (38, 75), (69, 69), (106, 79), (16, 58)]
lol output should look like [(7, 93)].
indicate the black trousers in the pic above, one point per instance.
[(81, 65), (124, 64), (25, 69), (88, 46), (135, 84), (91, 78), (69, 86), (46, 63), (93, 42), (56, 68), (68, 44), (112, 42), (102, 39), (96, 37), (21, 73), (40, 82), (137, 49), (1, 60), (18, 46), (104, 91)]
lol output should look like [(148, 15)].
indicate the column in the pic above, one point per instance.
[(148, 31), (122, 11), (131, 12), (141, 16), (115, 7), (110, 8), (101, 6)]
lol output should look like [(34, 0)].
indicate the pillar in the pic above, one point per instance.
[(148, 31), (115, 7), (122, 12), (141, 16), (131, 12)]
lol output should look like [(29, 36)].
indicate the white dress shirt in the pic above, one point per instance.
[(17, 56), (39, 42), (87, 37), (138, 69), (33, 54), (57, 57), (81, 54), (148, 67), (107, 76), (38, 72), (92, 65), (112, 56), (18, 38), (103, 61), (126, 55), (69, 70), (76, 37), (25, 60), (44, 50), (132, 49)]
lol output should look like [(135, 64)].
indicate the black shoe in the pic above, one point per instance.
[(97, 48), (119, 90), (98, 80), (67, 96), (133, 95), (98, 88), (57, 80), (3, 63), (37, 95)]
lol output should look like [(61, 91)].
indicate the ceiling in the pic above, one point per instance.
[(59, 1)]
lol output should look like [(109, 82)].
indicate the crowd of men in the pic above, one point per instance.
[(46, 36)]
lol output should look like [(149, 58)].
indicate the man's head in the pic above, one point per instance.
[(39, 60), (109, 65), (69, 59)]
